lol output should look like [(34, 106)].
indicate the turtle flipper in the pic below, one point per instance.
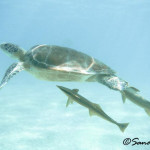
[(11, 71), (113, 82)]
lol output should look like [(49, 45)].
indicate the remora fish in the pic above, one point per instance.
[(132, 95), (94, 109)]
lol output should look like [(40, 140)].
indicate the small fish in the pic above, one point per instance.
[(131, 94), (94, 109)]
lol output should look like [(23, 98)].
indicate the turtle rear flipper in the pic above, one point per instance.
[(11, 71)]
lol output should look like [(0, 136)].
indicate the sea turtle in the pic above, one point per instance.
[(56, 63)]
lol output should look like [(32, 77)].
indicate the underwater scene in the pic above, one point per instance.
[(75, 75)]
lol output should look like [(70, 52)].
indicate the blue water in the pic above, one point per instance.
[(33, 115)]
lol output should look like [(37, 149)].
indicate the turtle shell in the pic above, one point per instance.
[(65, 59)]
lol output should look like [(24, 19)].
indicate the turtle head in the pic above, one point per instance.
[(13, 50)]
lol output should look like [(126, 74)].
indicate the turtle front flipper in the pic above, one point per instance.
[(11, 71)]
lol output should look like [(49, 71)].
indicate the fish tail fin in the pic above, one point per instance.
[(123, 126)]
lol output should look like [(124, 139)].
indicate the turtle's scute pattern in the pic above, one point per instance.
[(65, 59)]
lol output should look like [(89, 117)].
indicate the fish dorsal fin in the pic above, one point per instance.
[(123, 97), (147, 111), (135, 89), (75, 90), (69, 101), (97, 106)]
